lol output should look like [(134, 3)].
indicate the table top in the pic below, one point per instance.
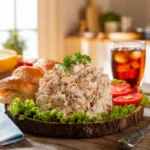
[(32, 142)]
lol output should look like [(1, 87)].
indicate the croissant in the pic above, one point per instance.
[(46, 64), (29, 73), (18, 84), (6, 96), (24, 81)]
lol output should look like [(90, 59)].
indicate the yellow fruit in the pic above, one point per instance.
[(8, 60), (19, 57)]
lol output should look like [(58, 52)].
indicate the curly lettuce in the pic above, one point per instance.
[(16, 107), (145, 100), (28, 109)]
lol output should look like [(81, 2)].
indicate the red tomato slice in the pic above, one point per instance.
[(133, 98), (120, 89)]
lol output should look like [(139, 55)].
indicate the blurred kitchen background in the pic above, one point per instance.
[(56, 28)]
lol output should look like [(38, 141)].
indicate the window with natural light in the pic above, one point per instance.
[(20, 15)]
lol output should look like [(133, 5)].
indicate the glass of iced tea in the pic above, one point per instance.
[(128, 61)]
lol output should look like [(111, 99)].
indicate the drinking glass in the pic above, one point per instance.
[(128, 61)]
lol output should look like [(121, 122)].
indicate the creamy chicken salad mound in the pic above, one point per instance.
[(81, 87)]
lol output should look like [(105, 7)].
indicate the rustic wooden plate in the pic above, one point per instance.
[(98, 129)]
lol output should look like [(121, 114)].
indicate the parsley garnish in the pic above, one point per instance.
[(68, 61)]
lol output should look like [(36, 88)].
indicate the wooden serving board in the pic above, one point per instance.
[(75, 130)]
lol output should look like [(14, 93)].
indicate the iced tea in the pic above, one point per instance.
[(128, 64)]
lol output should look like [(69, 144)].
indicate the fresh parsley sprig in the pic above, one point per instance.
[(67, 62), (79, 58)]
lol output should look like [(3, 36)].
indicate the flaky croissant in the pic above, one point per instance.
[(46, 64), (24, 81), (18, 84), (30, 74), (6, 96)]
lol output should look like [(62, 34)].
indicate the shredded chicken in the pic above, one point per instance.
[(83, 87)]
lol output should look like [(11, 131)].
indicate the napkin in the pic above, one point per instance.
[(9, 132)]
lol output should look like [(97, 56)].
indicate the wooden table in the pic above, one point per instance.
[(32, 142)]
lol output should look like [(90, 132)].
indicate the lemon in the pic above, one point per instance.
[(19, 58), (8, 60)]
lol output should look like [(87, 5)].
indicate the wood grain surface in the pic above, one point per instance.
[(34, 142)]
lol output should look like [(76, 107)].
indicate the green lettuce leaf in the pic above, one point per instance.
[(16, 107), (117, 112), (145, 100), (28, 109)]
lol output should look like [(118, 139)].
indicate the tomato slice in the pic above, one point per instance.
[(132, 98), (120, 89)]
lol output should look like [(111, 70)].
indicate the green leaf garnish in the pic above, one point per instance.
[(67, 62), (79, 58), (145, 100)]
